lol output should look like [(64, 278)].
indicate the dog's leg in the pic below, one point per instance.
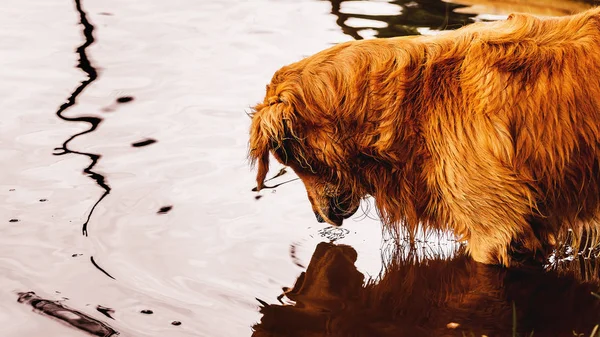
[(521, 248), (488, 249), (493, 210)]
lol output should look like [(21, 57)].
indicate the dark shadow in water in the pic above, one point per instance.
[(118, 101), (105, 311), (67, 315), (144, 142), (165, 209), (85, 65), (124, 99), (432, 14), (438, 297), (100, 269)]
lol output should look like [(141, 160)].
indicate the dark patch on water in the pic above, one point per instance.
[(295, 259), (106, 13), (119, 100), (257, 197), (124, 99), (13, 220), (147, 312), (11, 190), (43, 200), (145, 142), (164, 209), (66, 315), (176, 323), (106, 311), (76, 255), (99, 268)]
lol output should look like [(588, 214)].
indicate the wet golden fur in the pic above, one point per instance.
[(491, 131)]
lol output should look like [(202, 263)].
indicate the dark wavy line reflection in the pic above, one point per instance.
[(85, 65)]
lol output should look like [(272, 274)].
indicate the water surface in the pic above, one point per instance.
[(126, 194)]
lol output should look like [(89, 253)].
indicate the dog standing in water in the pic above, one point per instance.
[(491, 131)]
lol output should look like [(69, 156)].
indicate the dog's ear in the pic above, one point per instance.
[(272, 122)]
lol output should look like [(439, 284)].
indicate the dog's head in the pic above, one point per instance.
[(340, 120), (303, 137)]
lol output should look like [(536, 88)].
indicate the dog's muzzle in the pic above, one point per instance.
[(334, 214)]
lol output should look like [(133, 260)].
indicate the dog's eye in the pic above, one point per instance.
[(281, 154)]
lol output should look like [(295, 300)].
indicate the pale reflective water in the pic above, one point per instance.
[(152, 211)]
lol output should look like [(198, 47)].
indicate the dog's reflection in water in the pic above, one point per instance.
[(453, 297)]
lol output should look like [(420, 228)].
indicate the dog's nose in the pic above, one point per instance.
[(319, 217)]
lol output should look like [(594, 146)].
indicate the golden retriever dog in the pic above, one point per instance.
[(491, 131), (438, 297)]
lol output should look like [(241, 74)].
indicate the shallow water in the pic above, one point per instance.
[(152, 210)]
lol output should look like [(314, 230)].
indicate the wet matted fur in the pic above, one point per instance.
[(491, 131)]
